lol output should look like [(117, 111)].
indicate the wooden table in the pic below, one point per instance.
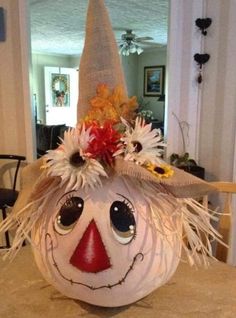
[(201, 293)]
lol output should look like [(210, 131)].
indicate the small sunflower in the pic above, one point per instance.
[(71, 162), (160, 171), (141, 143)]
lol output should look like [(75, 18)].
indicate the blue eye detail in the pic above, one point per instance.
[(68, 215), (122, 221)]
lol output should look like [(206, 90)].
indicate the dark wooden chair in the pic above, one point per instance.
[(48, 137), (8, 196)]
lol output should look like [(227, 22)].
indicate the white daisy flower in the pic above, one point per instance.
[(71, 162), (141, 144), (85, 136)]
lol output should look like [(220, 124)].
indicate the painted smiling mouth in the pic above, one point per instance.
[(137, 257)]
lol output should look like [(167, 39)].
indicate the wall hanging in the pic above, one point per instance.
[(201, 59), (203, 24)]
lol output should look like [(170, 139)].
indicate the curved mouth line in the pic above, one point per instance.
[(138, 256)]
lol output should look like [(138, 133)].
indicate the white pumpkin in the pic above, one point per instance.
[(104, 246)]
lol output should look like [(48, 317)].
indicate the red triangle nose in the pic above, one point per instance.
[(90, 254)]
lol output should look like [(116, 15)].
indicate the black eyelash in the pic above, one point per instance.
[(129, 206), (67, 198), (70, 196), (127, 202), (65, 195)]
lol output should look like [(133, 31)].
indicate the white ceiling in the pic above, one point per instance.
[(57, 26)]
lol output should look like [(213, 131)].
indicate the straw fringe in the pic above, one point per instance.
[(167, 213), (196, 221), (24, 220), (188, 214)]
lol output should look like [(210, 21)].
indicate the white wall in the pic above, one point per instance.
[(74, 61), (209, 108), (16, 132), (218, 117), (218, 121), (183, 99), (130, 67)]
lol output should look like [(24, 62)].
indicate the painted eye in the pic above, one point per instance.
[(68, 215), (122, 221)]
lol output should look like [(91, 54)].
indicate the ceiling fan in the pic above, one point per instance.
[(130, 43), (129, 36)]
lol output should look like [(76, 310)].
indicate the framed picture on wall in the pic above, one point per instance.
[(154, 80)]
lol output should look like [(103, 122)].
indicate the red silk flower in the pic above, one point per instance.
[(105, 143)]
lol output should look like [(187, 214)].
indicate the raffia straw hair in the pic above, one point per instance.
[(186, 216), (23, 221), (195, 220)]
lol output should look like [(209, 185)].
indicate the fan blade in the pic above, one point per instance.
[(148, 43), (144, 38)]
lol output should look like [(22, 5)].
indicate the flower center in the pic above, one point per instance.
[(76, 160), (159, 170), (137, 146)]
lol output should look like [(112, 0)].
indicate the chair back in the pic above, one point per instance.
[(225, 227), (8, 196), (16, 158)]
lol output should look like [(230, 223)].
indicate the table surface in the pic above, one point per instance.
[(191, 292)]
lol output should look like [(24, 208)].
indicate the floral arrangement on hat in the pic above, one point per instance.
[(88, 151)]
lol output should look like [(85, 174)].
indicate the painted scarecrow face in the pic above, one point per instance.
[(102, 247)]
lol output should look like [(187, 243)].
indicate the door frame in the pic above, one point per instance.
[(29, 115)]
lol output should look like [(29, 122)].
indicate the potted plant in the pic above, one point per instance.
[(183, 161), (143, 110)]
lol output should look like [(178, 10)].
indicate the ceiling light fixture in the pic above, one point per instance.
[(128, 48)]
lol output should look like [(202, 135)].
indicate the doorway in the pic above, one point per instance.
[(61, 95)]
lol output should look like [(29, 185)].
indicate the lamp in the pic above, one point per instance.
[(129, 47)]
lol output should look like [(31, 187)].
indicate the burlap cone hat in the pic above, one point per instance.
[(103, 102), (100, 63)]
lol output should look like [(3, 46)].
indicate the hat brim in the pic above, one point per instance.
[(181, 184)]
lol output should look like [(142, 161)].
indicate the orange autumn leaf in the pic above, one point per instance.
[(111, 105), (103, 91), (118, 96), (99, 115), (133, 102), (99, 102)]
